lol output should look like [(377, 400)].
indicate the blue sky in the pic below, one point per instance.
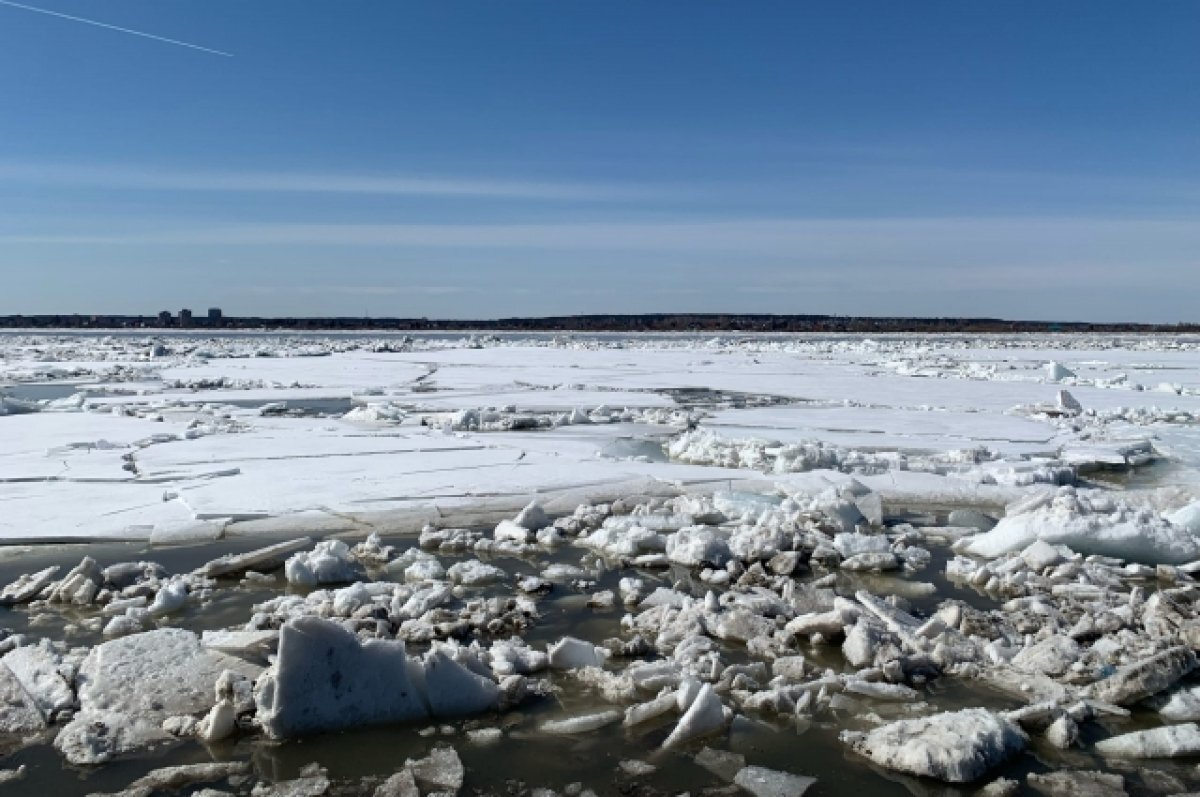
[(485, 159)]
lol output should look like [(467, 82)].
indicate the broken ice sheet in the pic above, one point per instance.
[(921, 421)]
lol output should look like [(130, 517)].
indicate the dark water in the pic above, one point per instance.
[(1160, 472), (306, 408), (48, 391)]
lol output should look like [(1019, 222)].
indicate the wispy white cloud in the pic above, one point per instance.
[(357, 290), (1029, 243), (143, 178), (1099, 268)]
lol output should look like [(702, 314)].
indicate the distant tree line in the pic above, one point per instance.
[(653, 322)]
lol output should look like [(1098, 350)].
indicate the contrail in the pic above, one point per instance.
[(114, 27)]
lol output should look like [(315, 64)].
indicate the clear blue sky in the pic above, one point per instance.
[(511, 157)]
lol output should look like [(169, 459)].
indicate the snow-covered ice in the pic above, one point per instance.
[(724, 537), (958, 747), (186, 441), (1169, 741)]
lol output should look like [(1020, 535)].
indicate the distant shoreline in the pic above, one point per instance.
[(657, 322)]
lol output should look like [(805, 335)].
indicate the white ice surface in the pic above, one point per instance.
[(348, 371), (957, 747), (94, 474)]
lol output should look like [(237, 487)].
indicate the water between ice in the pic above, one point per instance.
[(523, 755)]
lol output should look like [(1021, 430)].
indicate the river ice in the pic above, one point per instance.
[(738, 535), (150, 445)]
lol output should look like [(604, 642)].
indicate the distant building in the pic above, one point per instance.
[(214, 316), (185, 317), (164, 318)]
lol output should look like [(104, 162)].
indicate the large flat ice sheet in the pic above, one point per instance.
[(156, 449)]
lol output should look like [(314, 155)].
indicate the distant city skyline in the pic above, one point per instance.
[(482, 160)]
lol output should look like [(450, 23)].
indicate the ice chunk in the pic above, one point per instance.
[(1140, 680), (349, 599), (880, 690), (325, 678), (532, 517), (1068, 404), (697, 546), (1170, 741), (1052, 656), (1187, 518), (94, 737), (885, 560), (401, 784), (957, 747), (416, 566), (581, 724), (135, 620), (162, 672), (473, 573), (1116, 531), (663, 596), (39, 669), (687, 692), (644, 712), (1075, 782), (18, 711), (27, 587), (871, 507), (863, 642), (170, 598), (1181, 705), (570, 653), (763, 782), (1056, 372), (126, 574), (853, 544), (316, 785), (329, 562), (485, 736), (739, 624), (509, 531), (80, 585), (826, 623), (842, 514), (1063, 732), (376, 412), (1040, 554), (509, 656), (179, 777), (241, 643), (440, 772), (705, 715), (634, 768), (220, 723), (262, 560), (455, 691)]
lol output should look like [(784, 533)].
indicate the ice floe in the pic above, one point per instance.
[(959, 747)]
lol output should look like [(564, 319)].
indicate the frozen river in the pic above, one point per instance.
[(615, 563)]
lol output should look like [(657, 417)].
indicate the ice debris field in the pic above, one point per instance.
[(593, 564)]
